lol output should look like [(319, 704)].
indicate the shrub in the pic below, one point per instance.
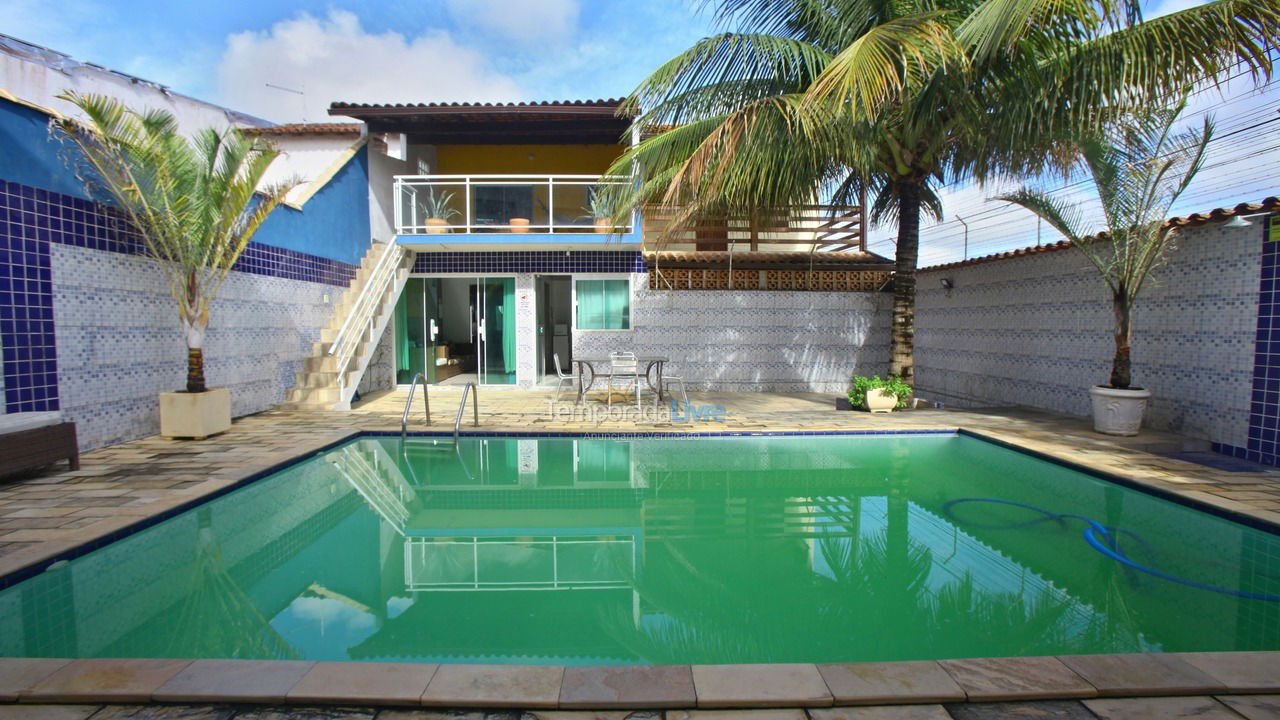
[(891, 384)]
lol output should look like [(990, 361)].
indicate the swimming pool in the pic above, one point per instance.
[(653, 550)]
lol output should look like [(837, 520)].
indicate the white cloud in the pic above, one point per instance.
[(334, 59), (523, 21)]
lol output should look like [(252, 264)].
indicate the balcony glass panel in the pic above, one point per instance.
[(430, 204)]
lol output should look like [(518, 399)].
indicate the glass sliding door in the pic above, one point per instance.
[(497, 322), (417, 330), (457, 329)]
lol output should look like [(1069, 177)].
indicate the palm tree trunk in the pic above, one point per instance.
[(1120, 364), (902, 347), (193, 331)]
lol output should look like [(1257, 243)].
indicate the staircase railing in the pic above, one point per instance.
[(364, 311)]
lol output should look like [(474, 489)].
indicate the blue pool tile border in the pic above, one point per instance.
[(30, 571)]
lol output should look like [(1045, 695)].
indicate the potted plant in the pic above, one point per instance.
[(438, 211), (195, 204), (600, 209), (879, 395), (1139, 167)]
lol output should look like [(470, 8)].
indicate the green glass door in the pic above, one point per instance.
[(417, 329), (497, 322)]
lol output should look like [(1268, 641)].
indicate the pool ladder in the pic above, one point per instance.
[(468, 389)]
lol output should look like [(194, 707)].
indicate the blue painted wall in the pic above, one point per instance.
[(29, 155), (333, 224)]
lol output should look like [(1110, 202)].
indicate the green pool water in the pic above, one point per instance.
[(639, 551)]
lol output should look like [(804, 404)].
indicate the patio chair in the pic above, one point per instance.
[(562, 377), (667, 380), (624, 366)]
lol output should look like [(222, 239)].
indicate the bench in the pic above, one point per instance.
[(35, 439)]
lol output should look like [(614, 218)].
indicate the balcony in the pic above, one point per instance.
[(801, 228), (514, 205)]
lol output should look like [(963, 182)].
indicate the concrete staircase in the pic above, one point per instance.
[(322, 384)]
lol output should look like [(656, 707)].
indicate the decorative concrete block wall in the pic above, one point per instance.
[(752, 340), (119, 341), (1036, 330)]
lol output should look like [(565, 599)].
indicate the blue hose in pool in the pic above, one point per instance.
[(1108, 545)]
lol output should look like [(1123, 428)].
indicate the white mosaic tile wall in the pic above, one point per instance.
[(526, 331), (1036, 331), (743, 340), (119, 342)]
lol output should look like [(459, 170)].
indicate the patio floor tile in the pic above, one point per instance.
[(363, 683), (769, 714), (256, 681), (495, 686), (1026, 678), (1253, 707), (1036, 709), (1239, 671), (882, 712), (730, 686), (18, 674), (111, 679), (1141, 674), (46, 712), (655, 686), (1160, 708), (898, 682)]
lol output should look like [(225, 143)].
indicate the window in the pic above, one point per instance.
[(604, 304)]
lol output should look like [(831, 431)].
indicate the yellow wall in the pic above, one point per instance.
[(525, 159)]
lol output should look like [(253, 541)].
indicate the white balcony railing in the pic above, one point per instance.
[(432, 204)]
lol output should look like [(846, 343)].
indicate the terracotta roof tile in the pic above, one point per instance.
[(306, 129), (1271, 204), (609, 102)]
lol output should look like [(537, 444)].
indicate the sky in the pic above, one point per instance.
[(286, 60), (232, 53)]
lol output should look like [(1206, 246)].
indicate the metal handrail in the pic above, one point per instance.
[(462, 406), (362, 310), (408, 404)]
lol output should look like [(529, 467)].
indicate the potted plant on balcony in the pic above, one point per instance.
[(195, 204), (438, 211), (1139, 168), (600, 209)]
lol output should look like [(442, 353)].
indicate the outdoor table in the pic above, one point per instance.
[(587, 372)]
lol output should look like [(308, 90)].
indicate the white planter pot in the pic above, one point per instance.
[(195, 415), (1118, 412), (879, 401)]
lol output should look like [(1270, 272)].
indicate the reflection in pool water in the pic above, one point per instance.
[(651, 550)]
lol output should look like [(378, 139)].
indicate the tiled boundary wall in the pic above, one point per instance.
[(88, 325), (1036, 330), (726, 340)]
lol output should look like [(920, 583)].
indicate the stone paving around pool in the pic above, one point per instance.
[(1204, 707)]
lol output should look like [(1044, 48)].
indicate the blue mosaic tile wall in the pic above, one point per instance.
[(546, 261), (26, 309), (31, 219), (1264, 407)]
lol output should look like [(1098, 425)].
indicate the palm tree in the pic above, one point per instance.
[(1139, 168), (194, 202), (838, 97)]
